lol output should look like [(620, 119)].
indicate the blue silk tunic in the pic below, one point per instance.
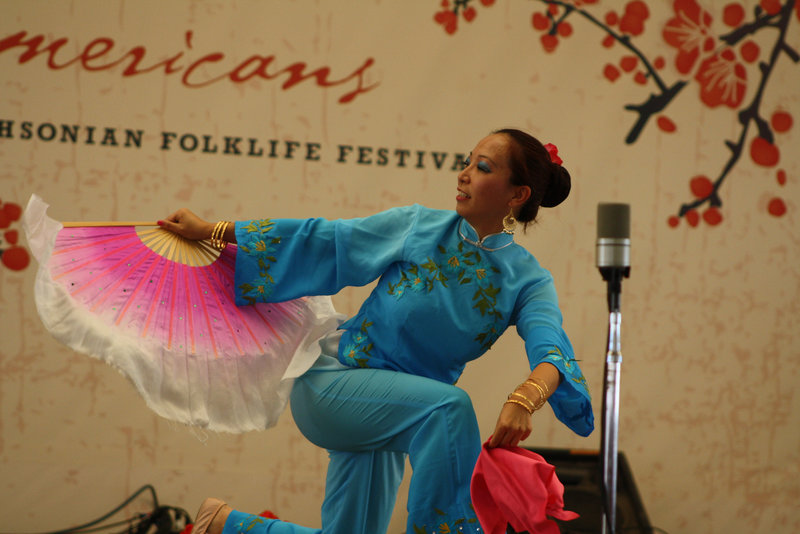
[(442, 297)]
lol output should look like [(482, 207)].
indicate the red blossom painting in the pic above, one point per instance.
[(717, 57), (12, 255)]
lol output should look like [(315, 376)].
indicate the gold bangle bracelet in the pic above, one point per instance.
[(530, 412), (221, 236), (540, 382), (542, 394), (539, 404), (214, 233), (526, 399), (542, 397), (218, 235)]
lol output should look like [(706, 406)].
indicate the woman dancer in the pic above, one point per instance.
[(449, 284)]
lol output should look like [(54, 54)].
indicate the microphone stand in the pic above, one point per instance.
[(613, 260), (610, 422)]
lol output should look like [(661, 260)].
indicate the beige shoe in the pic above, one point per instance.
[(206, 514)]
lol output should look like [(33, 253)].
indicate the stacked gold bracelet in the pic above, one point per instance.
[(218, 235), (515, 401), (522, 400), (539, 382)]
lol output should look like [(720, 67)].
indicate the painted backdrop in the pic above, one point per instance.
[(686, 109)]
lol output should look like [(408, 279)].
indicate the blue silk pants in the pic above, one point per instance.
[(369, 419)]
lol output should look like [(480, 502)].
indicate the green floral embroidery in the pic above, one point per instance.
[(465, 268), (257, 244), (447, 526), (247, 524), (486, 302), (556, 356), (360, 350)]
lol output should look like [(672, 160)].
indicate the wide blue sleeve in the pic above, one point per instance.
[(284, 259), (538, 321)]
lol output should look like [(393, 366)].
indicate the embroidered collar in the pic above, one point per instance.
[(490, 243)]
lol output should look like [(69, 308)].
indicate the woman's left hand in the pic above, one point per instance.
[(185, 223), (513, 425)]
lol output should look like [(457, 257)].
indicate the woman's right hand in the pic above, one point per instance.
[(186, 224)]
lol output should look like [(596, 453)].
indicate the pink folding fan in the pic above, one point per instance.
[(161, 309)]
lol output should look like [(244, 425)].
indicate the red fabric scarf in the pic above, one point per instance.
[(518, 487)]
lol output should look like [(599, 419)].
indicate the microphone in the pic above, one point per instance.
[(614, 248)]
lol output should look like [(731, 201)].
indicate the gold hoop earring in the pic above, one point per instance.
[(509, 223)]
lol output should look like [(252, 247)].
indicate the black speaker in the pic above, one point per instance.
[(580, 472)]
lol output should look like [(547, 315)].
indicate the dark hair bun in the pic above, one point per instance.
[(558, 186)]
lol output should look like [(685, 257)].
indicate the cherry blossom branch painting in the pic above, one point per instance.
[(727, 66), (12, 255)]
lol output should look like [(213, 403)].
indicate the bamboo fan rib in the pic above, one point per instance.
[(176, 248)]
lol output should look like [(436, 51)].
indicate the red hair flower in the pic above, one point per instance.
[(553, 151)]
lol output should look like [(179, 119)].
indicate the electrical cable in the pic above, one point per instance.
[(143, 521), (109, 525)]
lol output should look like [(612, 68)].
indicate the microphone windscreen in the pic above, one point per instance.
[(613, 221)]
